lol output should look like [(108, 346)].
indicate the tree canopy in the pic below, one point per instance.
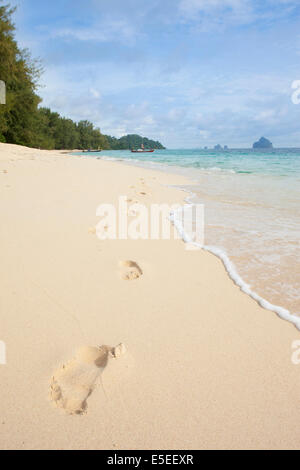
[(20, 74), (132, 141)]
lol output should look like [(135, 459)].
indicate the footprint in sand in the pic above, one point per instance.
[(74, 382), (130, 270)]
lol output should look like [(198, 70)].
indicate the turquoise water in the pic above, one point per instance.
[(252, 210), (281, 162)]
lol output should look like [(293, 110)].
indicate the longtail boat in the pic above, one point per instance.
[(142, 150)]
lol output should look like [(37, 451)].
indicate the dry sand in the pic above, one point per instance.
[(203, 365)]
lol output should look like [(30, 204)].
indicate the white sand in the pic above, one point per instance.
[(204, 367)]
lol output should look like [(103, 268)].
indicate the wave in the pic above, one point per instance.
[(282, 313), (215, 169), (158, 163)]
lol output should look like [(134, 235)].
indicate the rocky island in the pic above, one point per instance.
[(263, 143)]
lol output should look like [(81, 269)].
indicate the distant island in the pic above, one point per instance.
[(219, 147), (132, 141), (263, 143)]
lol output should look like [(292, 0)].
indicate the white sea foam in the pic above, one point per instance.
[(283, 313), (111, 159), (217, 169)]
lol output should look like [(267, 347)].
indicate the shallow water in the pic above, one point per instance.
[(252, 211)]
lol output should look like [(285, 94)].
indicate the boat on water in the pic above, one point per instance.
[(92, 151), (142, 150)]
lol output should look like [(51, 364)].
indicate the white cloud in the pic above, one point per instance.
[(194, 6), (176, 114), (217, 12), (106, 31), (230, 110), (148, 120), (186, 90), (95, 93)]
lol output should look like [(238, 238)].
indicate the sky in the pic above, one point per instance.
[(190, 73)]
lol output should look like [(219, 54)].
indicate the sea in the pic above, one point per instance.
[(252, 214)]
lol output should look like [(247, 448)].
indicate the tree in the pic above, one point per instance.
[(20, 73), (133, 141)]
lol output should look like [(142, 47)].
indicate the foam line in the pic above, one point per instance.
[(283, 313)]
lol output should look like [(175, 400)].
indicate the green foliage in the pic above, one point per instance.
[(91, 138), (56, 132), (132, 141), (20, 73), (23, 122)]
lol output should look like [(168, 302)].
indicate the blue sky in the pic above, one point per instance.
[(190, 73)]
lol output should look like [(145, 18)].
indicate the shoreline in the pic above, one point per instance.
[(282, 312), (233, 274), (205, 360)]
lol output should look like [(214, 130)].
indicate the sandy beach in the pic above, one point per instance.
[(202, 367)]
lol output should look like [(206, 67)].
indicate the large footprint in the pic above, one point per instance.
[(74, 382), (130, 270)]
